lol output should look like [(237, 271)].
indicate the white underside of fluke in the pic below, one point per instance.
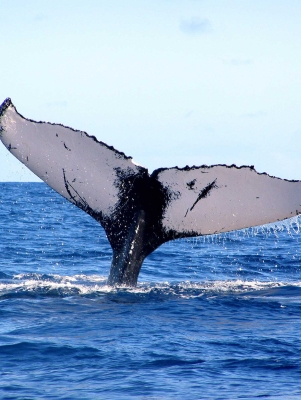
[(238, 198), (60, 155)]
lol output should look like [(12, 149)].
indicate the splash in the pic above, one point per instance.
[(291, 226), (41, 285)]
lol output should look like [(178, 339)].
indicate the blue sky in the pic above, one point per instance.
[(168, 82)]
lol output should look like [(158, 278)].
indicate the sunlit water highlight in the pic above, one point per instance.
[(211, 318)]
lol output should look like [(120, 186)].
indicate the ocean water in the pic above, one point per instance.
[(211, 318)]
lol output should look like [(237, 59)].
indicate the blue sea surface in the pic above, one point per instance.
[(211, 318)]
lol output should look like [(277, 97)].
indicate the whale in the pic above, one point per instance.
[(138, 210)]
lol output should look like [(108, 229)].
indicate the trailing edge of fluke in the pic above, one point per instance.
[(140, 211)]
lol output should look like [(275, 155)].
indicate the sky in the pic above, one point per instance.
[(168, 82)]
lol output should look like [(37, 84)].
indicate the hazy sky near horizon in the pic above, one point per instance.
[(168, 82)]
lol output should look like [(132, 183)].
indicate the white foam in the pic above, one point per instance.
[(96, 285)]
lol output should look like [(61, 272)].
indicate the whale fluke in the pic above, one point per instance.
[(140, 211)]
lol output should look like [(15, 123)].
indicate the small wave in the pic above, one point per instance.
[(55, 285), (35, 285), (4, 276), (24, 351)]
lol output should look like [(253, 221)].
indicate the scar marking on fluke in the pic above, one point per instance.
[(67, 148), (204, 193), (191, 184), (9, 147), (81, 203)]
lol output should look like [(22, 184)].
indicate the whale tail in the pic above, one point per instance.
[(140, 211)]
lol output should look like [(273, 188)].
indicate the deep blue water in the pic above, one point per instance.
[(211, 318)]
